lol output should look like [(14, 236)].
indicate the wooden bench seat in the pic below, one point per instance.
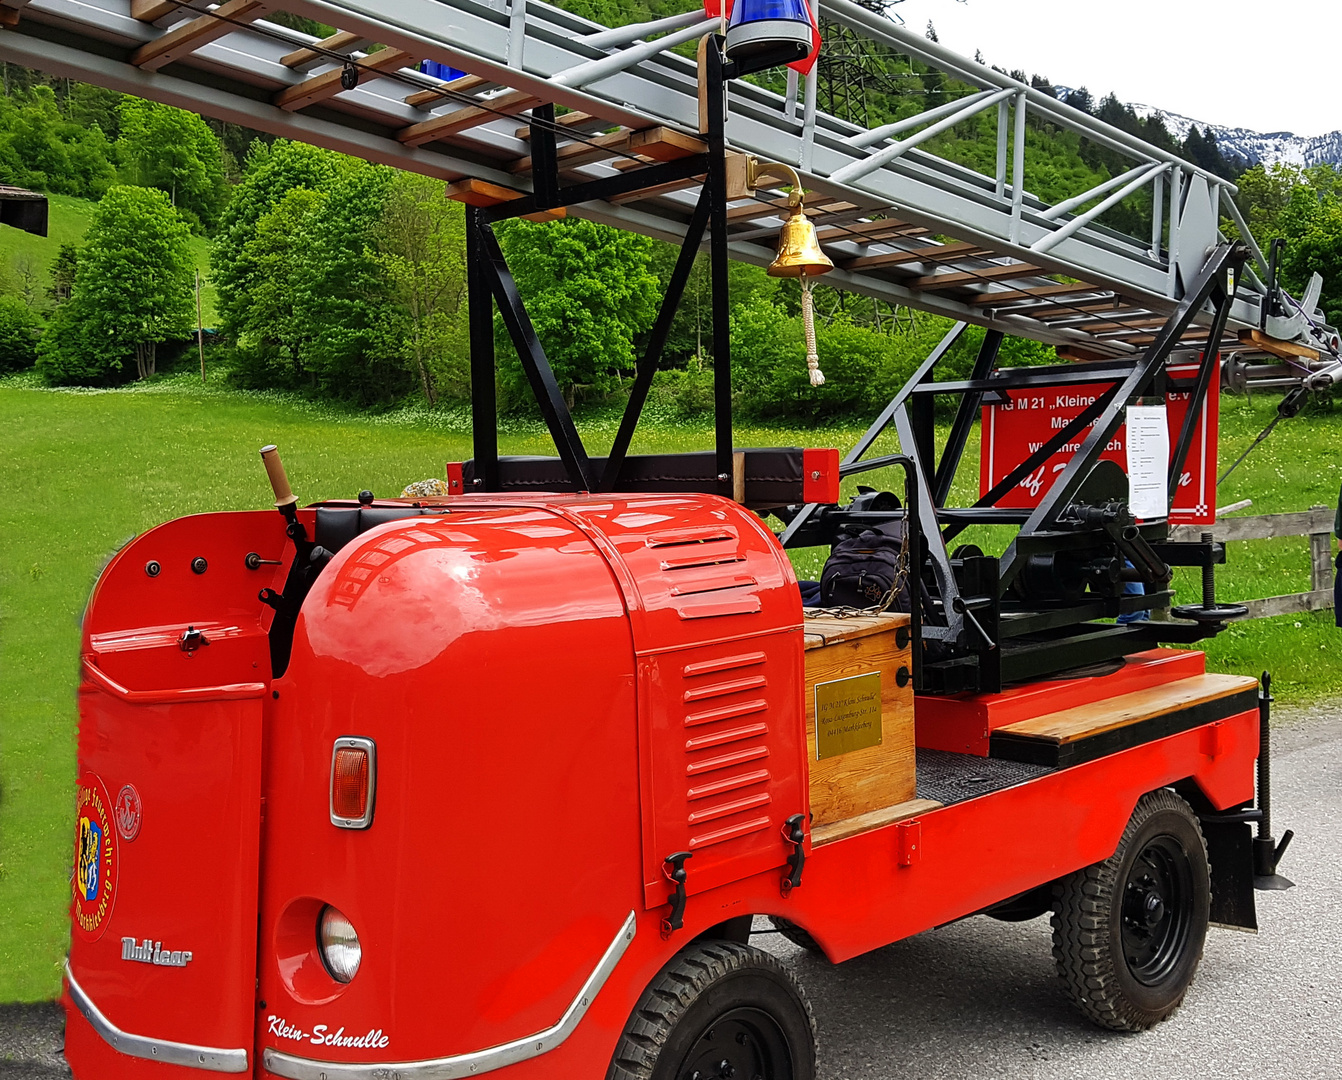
[(1086, 732)]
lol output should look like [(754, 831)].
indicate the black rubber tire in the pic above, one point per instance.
[(796, 935), (702, 1003), (1128, 932)]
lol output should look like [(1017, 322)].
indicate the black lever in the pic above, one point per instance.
[(676, 876), (963, 608), (794, 832)]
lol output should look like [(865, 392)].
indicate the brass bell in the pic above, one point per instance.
[(799, 253)]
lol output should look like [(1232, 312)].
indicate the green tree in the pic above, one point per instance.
[(271, 172), (63, 270), (132, 290), (20, 328), (590, 291), (770, 379), (1312, 224), (271, 331), (1264, 192), (692, 326), (41, 149), (90, 106), (343, 304), (176, 152), (420, 248)]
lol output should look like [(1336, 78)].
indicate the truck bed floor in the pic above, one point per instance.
[(948, 778)]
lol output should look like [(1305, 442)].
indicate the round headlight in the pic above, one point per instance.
[(339, 944)]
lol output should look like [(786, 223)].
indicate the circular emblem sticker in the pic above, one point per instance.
[(128, 812), (96, 858)]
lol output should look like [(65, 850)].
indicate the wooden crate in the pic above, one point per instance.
[(873, 777)]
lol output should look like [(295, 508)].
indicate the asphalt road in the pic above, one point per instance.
[(980, 1001)]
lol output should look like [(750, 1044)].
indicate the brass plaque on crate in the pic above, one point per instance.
[(847, 715)]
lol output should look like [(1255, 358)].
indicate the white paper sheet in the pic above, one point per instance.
[(1148, 461)]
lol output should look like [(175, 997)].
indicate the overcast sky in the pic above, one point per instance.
[(1264, 66)]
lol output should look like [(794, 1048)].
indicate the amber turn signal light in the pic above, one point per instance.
[(353, 782)]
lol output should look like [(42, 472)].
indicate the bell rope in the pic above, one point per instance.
[(808, 327)]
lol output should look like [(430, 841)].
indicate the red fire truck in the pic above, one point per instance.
[(504, 780), (534, 764)]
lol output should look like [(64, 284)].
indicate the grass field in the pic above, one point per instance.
[(68, 220), (83, 471)]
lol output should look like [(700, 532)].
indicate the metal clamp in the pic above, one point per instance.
[(676, 875), (192, 639), (794, 832)]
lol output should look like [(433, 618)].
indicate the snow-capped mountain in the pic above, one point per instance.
[(1254, 146)]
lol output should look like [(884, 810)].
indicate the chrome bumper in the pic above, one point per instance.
[(465, 1065), (210, 1058)]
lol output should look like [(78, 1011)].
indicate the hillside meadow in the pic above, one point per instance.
[(23, 255)]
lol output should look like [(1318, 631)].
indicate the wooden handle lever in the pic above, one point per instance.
[(279, 480)]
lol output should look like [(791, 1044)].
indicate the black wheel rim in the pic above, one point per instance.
[(743, 1044), (1157, 915)]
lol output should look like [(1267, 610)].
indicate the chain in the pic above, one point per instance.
[(901, 577)]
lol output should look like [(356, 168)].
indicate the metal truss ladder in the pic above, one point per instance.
[(1018, 265)]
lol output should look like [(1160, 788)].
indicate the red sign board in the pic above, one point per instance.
[(1014, 430)]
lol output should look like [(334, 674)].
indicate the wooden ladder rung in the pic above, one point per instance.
[(427, 131), (964, 278), (656, 191), (441, 94), (1039, 293), (343, 42), (1285, 349), (658, 143), (931, 253), (483, 193), (568, 120)]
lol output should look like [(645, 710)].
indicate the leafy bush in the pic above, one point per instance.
[(770, 378), (681, 394), (68, 354), (269, 352), (420, 249), (272, 171), (20, 329), (342, 301), (132, 291)]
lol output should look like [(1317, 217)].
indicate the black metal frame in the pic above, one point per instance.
[(1000, 621), (490, 283), (985, 621)]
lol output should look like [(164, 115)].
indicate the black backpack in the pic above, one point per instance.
[(861, 569)]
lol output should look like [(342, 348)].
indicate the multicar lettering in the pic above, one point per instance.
[(152, 952)]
